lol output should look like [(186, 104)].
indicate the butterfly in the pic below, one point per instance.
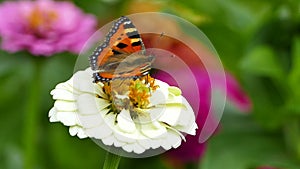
[(121, 55)]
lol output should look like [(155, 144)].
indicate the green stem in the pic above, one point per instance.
[(31, 116), (111, 161)]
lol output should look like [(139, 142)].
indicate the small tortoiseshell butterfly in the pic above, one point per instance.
[(121, 55)]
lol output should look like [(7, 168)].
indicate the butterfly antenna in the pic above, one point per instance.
[(159, 38), (157, 43)]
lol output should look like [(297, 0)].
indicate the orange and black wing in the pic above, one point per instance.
[(122, 40)]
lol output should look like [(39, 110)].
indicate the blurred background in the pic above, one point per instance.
[(257, 41)]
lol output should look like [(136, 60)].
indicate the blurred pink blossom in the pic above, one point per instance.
[(192, 150), (44, 27), (172, 68)]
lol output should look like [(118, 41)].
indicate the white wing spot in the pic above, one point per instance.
[(127, 22)]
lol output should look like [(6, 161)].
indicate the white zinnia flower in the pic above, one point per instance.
[(87, 109)]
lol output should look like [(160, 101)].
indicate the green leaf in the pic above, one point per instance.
[(268, 101), (242, 144), (262, 61)]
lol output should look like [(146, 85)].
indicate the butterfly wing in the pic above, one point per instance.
[(122, 40)]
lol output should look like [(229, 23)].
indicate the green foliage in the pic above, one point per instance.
[(259, 42), (242, 144), (262, 61)]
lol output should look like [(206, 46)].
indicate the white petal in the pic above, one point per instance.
[(109, 140), (83, 81), (158, 97), (155, 143), (144, 143), (68, 118), (81, 133), (90, 121), (156, 112), (173, 139), (99, 132), (165, 94), (102, 104), (73, 130), (178, 114), (138, 149), (61, 94), (162, 85), (190, 129), (76, 130), (88, 104), (109, 119), (87, 87), (128, 147), (126, 138), (153, 131), (175, 100), (125, 122), (52, 112), (186, 121), (187, 115), (53, 119), (165, 144), (65, 105), (118, 143), (52, 115), (121, 136), (171, 115), (68, 86), (99, 90)]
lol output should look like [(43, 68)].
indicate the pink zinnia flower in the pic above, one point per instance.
[(44, 27), (192, 150)]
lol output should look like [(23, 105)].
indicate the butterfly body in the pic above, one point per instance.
[(121, 55)]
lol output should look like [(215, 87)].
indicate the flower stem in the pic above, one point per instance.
[(111, 161), (31, 116)]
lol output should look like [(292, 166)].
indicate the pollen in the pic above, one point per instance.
[(140, 91), (130, 93), (107, 89), (151, 81)]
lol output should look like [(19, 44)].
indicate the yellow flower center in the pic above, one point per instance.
[(140, 91), (130, 93), (139, 94), (39, 18)]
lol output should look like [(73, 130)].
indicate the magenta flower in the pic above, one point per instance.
[(192, 150), (44, 27)]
